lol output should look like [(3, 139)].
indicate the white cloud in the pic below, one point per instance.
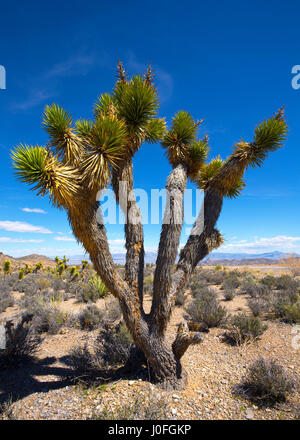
[(18, 240), (117, 241), (281, 243), (64, 239), (35, 210), (23, 227)]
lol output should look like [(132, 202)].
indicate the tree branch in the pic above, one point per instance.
[(168, 247), (184, 339), (122, 182)]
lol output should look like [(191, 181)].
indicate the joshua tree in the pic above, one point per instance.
[(7, 267), (83, 158)]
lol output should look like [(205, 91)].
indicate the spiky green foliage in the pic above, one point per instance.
[(210, 171), (197, 154), (104, 106), (84, 127), (176, 141), (21, 273), (182, 145), (104, 149), (137, 103), (269, 135), (155, 130), (58, 124), (37, 167), (7, 267)]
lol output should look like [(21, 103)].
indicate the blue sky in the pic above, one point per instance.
[(226, 62)]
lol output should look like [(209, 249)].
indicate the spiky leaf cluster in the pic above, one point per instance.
[(211, 170), (137, 104), (104, 149), (37, 167), (269, 136), (182, 146), (58, 124)]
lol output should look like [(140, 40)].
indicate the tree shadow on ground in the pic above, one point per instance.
[(23, 380), (105, 375), (20, 381)]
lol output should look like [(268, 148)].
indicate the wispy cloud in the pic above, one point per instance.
[(18, 240), (23, 227), (76, 65), (282, 243), (36, 210), (46, 86), (35, 97), (64, 239)]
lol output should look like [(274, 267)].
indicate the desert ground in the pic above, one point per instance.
[(53, 382)]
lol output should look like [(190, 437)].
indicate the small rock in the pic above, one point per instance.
[(249, 414)]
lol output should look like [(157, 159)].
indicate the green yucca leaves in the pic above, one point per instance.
[(58, 124), (29, 163), (176, 141), (105, 148), (56, 121), (39, 168), (155, 130), (269, 135), (84, 127), (104, 106), (235, 190), (197, 155), (137, 103), (211, 170)]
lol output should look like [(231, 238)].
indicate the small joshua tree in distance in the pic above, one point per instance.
[(84, 157)]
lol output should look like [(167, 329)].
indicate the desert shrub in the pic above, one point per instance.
[(266, 382), (92, 290), (243, 328), (229, 295), (289, 313), (252, 287), (231, 282), (213, 276), (180, 299), (286, 306), (112, 311), (259, 306), (21, 348), (152, 408), (90, 317), (116, 344), (48, 318), (206, 309), (286, 282), (218, 267), (269, 281), (111, 348), (43, 283), (6, 300), (196, 285)]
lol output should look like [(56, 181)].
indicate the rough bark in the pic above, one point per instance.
[(134, 268), (168, 248), (148, 331)]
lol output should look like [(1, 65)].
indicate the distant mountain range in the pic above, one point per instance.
[(213, 258), (150, 257)]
